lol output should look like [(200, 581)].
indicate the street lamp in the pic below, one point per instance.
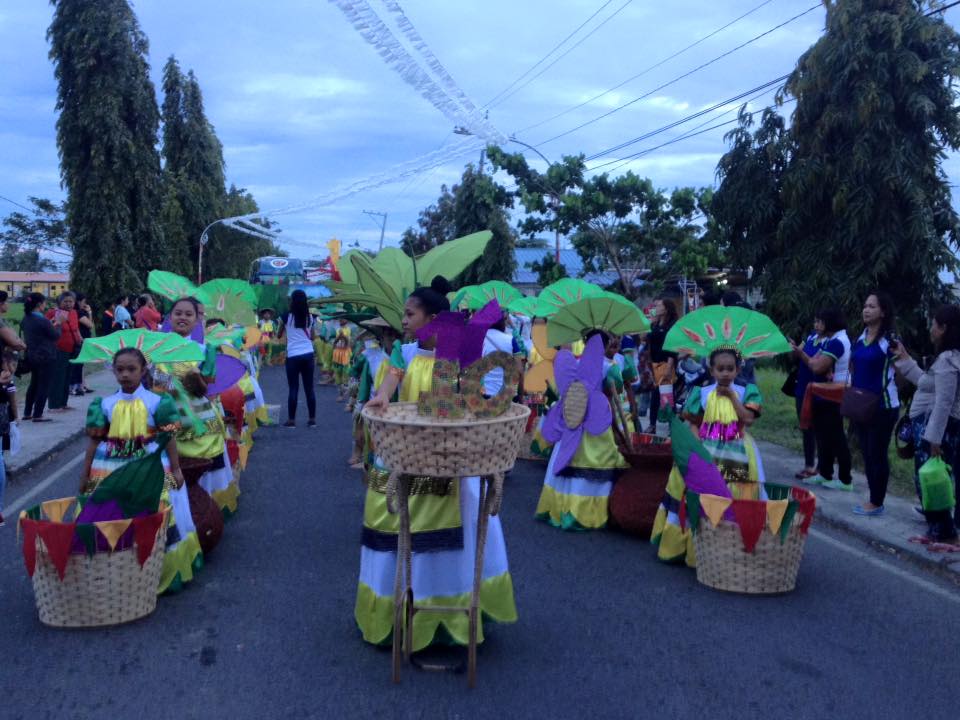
[(554, 197), (204, 239)]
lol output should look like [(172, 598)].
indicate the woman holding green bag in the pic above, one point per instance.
[(935, 419)]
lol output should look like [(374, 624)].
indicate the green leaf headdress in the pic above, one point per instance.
[(749, 333), (476, 297)]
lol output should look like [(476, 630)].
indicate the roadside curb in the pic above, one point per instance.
[(33, 463), (945, 566)]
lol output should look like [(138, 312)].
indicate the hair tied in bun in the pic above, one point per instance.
[(441, 285)]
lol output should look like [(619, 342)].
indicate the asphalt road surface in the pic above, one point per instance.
[(605, 631)]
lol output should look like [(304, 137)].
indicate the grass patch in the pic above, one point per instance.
[(779, 425)]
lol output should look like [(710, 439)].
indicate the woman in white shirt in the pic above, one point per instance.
[(297, 328)]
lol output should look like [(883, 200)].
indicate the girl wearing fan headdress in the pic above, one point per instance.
[(719, 413), (443, 518), (122, 428), (203, 434)]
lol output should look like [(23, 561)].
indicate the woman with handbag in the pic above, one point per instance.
[(871, 401), (935, 419)]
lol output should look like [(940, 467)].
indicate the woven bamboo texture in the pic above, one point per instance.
[(413, 444), (107, 589), (771, 568)]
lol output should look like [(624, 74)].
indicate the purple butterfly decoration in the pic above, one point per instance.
[(459, 339)]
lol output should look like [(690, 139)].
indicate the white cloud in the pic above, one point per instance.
[(292, 86)]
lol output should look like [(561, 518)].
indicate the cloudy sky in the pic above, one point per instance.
[(305, 106)]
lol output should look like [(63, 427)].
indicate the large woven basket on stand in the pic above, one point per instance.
[(770, 567), (107, 589), (419, 445)]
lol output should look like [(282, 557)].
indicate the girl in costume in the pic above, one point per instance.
[(719, 413), (203, 434), (576, 493), (123, 427), (443, 517), (371, 367), (342, 353)]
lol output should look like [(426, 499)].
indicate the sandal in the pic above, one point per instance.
[(921, 539), (804, 474)]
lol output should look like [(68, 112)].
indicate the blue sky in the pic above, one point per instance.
[(303, 105)]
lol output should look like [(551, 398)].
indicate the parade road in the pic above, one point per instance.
[(605, 631)]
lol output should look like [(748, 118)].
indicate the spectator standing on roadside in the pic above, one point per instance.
[(805, 375), (41, 337), (872, 372), (663, 364), (122, 319), (85, 324), (830, 363), (147, 315), (935, 418), (65, 317), (12, 346)]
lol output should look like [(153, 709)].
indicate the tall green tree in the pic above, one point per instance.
[(866, 203), (626, 224), (540, 194), (106, 135), (478, 204), (194, 169), (435, 225), (748, 204)]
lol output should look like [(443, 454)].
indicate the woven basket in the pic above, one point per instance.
[(771, 568), (637, 494), (413, 444), (107, 589)]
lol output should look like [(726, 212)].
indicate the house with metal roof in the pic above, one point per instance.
[(525, 279)]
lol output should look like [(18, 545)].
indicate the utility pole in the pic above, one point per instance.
[(383, 226)]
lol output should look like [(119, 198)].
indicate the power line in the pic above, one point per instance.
[(680, 77), (681, 121), (688, 118), (19, 205), (644, 72), (552, 51), (565, 53), (693, 132)]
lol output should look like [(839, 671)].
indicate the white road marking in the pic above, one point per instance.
[(21, 502), (889, 567)]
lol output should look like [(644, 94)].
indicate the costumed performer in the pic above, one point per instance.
[(719, 413), (583, 465), (203, 434), (443, 518), (123, 427)]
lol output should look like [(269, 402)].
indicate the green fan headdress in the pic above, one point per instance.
[(526, 306), (476, 297), (157, 347), (608, 311), (563, 292), (749, 333), (233, 301), (169, 285)]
